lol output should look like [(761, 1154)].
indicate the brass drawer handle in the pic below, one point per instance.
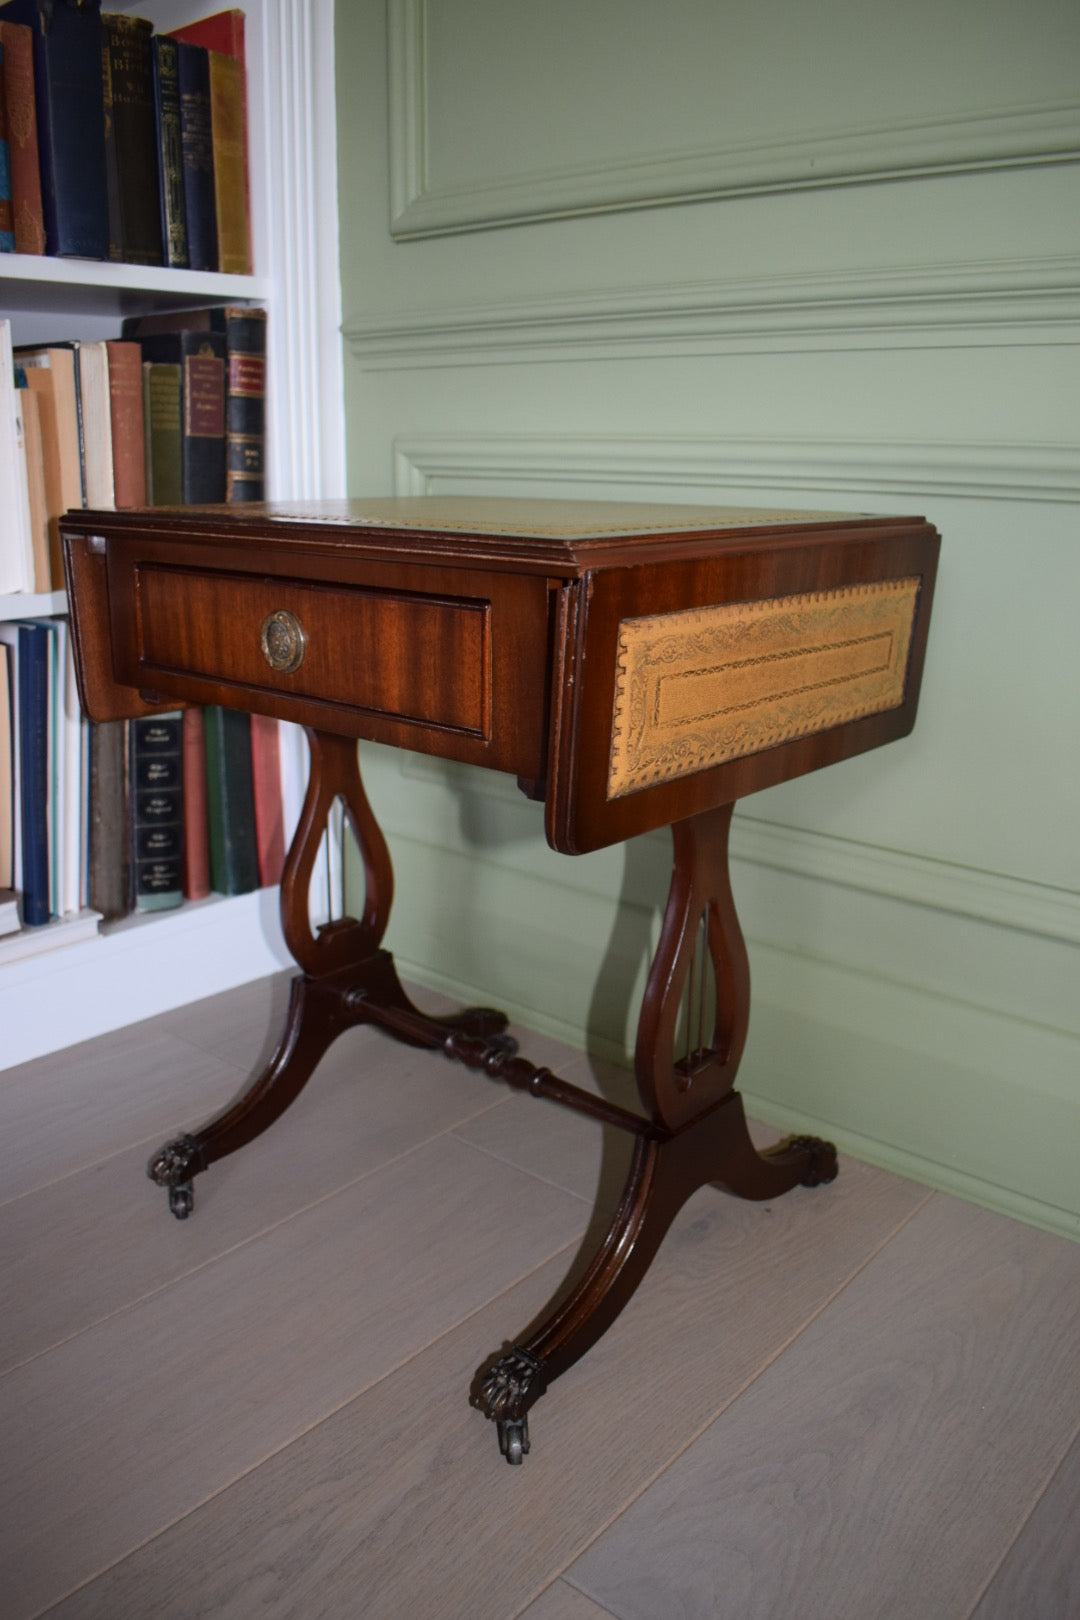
[(283, 641)]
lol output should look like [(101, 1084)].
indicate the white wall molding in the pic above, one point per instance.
[(890, 874), (955, 139), (675, 465), (294, 175), (1030, 301), (987, 897)]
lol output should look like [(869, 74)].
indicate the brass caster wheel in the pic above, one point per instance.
[(514, 1441), (182, 1200)]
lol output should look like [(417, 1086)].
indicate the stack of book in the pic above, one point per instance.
[(123, 144), (181, 805), (170, 413), (103, 820)]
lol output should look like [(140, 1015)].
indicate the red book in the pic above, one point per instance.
[(196, 835), (269, 817), (18, 43), (224, 33), (126, 416)]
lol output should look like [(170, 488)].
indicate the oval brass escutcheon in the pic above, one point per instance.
[(283, 641)]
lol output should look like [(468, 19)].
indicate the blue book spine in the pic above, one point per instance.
[(197, 156), (70, 122), (35, 653)]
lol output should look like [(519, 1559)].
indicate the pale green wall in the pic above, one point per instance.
[(891, 340)]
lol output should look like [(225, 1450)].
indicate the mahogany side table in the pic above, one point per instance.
[(634, 666)]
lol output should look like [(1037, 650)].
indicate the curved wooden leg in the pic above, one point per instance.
[(696, 1133), (347, 979)]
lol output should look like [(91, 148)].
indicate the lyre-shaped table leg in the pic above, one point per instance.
[(695, 1134), (347, 978)]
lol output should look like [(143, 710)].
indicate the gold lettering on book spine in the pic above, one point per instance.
[(701, 686)]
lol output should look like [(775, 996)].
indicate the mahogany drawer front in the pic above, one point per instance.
[(414, 658)]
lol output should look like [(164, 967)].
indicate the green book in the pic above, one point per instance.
[(230, 802), (161, 425)]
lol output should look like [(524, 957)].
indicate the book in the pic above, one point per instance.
[(230, 801), (109, 885), (36, 488), (201, 358), (7, 205), (244, 328), (169, 151), (15, 546), (18, 72), (35, 656), (223, 32), (52, 370), (97, 448), (70, 765), (156, 809), (131, 139), (197, 156), (70, 111), (227, 133), (126, 422), (162, 434), (266, 781), (196, 846)]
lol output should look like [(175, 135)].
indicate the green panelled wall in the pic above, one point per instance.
[(746, 260)]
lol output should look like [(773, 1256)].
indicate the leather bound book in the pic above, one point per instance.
[(109, 886), (170, 152), (227, 129), (201, 357), (7, 208), (162, 416), (197, 153), (156, 809), (18, 74), (244, 329), (196, 845), (131, 140), (224, 32), (230, 802), (70, 122), (126, 418)]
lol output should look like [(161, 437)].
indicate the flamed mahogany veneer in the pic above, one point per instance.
[(634, 666)]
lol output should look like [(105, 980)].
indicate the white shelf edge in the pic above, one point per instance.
[(24, 605), (79, 274), (135, 971)]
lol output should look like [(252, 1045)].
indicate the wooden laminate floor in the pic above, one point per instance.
[(862, 1400)]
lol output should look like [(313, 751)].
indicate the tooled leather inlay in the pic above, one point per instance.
[(701, 686)]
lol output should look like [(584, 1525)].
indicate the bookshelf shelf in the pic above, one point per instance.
[(141, 968), (78, 287), (24, 606)]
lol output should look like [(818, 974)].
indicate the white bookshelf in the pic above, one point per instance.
[(142, 967)]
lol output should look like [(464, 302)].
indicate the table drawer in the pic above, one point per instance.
[(416, 658)]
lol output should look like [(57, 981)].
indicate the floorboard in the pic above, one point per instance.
[(877, 1468), (857, 1401), (83, 1246), (166, 1403), (1039, 1577), (323, 1527)]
